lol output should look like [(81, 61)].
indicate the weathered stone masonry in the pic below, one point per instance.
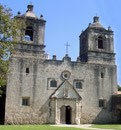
[(41, 90)]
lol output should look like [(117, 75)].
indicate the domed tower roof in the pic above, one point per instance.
[(29, 12), (96, 23)]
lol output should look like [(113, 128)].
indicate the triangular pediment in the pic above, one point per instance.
[(66, 90)]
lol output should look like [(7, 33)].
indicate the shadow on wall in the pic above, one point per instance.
[(107, 115), (43, 112), (116, 107)]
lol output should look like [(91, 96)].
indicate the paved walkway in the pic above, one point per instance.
[(84, 126)]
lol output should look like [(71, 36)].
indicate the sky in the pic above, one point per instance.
[(67, 18)]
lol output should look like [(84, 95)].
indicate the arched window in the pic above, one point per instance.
[(29, 33), (53, 83), (100, 43)]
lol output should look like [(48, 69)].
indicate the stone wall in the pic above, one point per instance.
[(36, 86)]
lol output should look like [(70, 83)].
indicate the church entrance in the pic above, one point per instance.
[(65, 114), (68, 115)]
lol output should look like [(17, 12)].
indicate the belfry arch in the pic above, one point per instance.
[(29, 32), (100, 42)]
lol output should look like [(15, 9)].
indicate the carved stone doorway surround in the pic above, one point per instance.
[(65, 111)]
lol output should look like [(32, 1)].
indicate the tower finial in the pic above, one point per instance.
[(30, 7), (95, 19)]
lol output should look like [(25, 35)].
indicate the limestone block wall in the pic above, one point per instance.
[(36, 86)]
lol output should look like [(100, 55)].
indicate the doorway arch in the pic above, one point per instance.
[(65, 114)]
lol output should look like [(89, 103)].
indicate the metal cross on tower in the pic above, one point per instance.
[(67, 46)]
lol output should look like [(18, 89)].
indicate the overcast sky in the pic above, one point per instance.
[(67, 18)]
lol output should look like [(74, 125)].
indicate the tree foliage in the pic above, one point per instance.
[(119, 88), (8, 32)]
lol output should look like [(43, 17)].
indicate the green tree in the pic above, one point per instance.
[(9, 27), (119, 88)]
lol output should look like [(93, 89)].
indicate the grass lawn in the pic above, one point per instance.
[(109, 126), (47, 127), (35, 127)]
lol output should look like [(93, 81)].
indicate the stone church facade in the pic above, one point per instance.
[(42, 90)]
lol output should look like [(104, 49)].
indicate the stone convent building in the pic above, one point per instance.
[(41, 90)]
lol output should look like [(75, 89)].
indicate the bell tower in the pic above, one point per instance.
[(97, 44), (31, 36)]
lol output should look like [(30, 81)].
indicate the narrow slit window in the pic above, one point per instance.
[(102, 75), (101, 103), (27, 70)]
